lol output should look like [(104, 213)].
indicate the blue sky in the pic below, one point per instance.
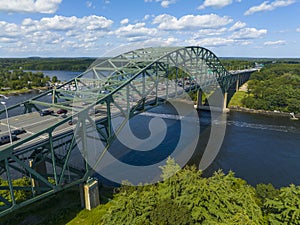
[(74, 28)]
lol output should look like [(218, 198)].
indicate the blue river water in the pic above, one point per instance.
[(258, 148), (261, 149)]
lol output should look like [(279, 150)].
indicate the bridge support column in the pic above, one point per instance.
[(89, 194), (199, 99), (224, 108), (237, 83), (40, 168)]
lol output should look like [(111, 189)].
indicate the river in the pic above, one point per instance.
[(258, 148)]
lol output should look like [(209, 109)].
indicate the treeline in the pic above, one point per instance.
[(189, 198), (36, 63), (232, 63), (275, 87)]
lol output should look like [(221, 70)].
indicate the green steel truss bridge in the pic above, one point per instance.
[(122, 86)]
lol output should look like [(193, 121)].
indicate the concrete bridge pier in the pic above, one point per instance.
[(237, 84), (40, 168), (89, 194), (225, 99), (199, 100)]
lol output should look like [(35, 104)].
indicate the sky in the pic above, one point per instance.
[(97, 28)]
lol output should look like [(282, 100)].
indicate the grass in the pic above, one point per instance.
[(236, 99)]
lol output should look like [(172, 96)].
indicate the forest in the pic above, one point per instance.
[(275, 87)]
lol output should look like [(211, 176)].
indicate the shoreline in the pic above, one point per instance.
[(262, 112), (24, 91)]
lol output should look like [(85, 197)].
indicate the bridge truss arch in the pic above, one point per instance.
[(121, 86)]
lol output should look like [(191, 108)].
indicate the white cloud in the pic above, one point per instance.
[(211, 42), (135, 32), (190, 22), (30, 6), (298, 29), (62, 23), (215, 3), (279, 42), (146, 17), (163, 3), (54, 34), (237, 26), (209, 32), (248, 33), (266, 6), (124, 21)]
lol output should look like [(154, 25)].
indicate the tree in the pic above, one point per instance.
[(285, 207), (54, 79)]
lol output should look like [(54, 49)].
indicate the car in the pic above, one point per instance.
[(6, 139), (18, 131), (46, 112), (72, 121), (62, 111)]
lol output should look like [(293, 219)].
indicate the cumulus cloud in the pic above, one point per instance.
[(135, 32), (279, 42), (238, 25), (215, 3), (124, 21), (53, 34), (248, 33), (30, 6), (209, 32), (163, 3), (62, 23), (190, 22), (211, 42), (267, 6)]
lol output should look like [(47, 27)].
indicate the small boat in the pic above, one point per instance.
[(293, 117)]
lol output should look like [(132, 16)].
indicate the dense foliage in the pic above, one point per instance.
[(189, 198), (18, 79), (20, 195), (185, 198), (275, 87)]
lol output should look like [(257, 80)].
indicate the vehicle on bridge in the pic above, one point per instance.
[(18, 131), (62, 111), (46, 112), (6, 139)]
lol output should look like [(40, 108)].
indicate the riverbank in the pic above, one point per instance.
[(262, 112), (236, 104), (23, 91)]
